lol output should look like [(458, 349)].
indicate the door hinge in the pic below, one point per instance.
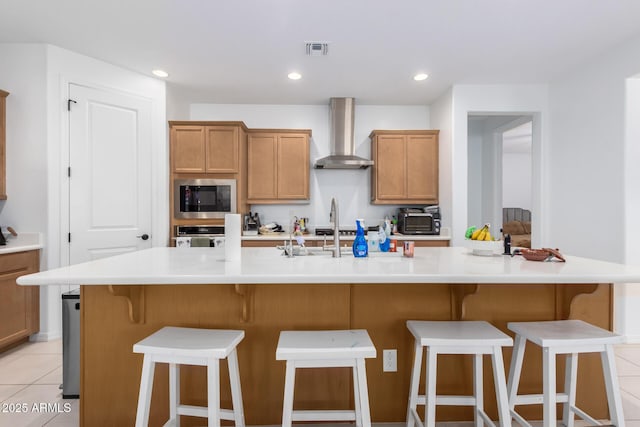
[(69, 237), (69, 171), (69, 101)]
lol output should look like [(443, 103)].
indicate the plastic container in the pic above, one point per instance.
[(373, 241), (360, 246)]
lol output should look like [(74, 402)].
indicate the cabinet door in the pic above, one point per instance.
[(261, 165), (188, 149), (422, 168), (19, 305), (221, 149), (390, 167), (293, 167)]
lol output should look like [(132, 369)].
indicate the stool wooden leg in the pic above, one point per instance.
[(363, 392), (431, 367), (213, 392), (570, 379), (289, 383), (415, 383), (356, 396), (477, 389), (548, 388), (515, 369), (144, 397), (236, 390), (502, 398), (613, 388), (174, 393)]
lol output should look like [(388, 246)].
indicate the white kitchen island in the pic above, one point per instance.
[(127, 297)]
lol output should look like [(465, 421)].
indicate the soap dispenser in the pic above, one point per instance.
[(360, 247)]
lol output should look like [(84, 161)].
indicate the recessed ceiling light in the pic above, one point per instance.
[(160, 73), (421, 76), (294, 76)]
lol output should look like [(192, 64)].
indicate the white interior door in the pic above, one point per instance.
[(110, 173)]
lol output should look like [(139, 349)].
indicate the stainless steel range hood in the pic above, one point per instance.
[(342, 145)]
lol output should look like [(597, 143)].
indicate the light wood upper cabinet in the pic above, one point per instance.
[(205, 149), (3, 142), (221, 149), (278, 166), (293, 167), (262, 151), (405, 169)]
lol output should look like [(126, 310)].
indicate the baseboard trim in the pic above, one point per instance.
[(45, 336)]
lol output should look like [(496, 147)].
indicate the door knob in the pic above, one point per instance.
[(145, 236)]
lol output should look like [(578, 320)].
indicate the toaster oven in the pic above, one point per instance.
[(414, 221)]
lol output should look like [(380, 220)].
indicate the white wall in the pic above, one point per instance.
[(475, 149), (37, 76), (441, 114), (593, 158), (628, 295), (512, 99), (516, 182), (22, 73), (350, 187)]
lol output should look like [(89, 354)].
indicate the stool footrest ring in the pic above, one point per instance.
[(536, 399), (323, 415)]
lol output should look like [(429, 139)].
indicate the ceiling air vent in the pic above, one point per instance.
[(317, 48)]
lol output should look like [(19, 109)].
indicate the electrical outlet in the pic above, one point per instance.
[(390, 360)]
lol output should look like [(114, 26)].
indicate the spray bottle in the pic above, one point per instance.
[(360, 247)]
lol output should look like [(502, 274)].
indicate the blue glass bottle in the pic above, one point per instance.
[(360, 246)]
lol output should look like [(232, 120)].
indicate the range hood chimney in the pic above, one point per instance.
[(342, 145)]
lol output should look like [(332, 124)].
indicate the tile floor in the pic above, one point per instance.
[(31, 374)]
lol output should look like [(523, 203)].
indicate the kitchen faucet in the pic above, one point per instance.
[(334, 219)]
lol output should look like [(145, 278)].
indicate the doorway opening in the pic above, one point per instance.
[(500, 174)]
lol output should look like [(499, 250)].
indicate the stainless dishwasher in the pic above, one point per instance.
[(71, 344)]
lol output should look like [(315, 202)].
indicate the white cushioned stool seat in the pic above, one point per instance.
[(191, 346), (326, 349), (475, 338), (569, 337)]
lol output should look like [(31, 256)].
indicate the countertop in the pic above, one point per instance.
[(22, 242), (267, 265)]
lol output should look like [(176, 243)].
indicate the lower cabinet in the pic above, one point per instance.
[(260, 243), (429, 243), (19, 305)]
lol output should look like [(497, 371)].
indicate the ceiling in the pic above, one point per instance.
[(241, 51)]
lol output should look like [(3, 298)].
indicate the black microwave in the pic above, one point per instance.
[(204, 198), (415, 221)]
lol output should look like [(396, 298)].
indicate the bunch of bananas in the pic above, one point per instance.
[(483, 233)]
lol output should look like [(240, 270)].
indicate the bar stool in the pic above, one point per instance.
[(189, 346), (326, 349), (569, 337), (457, 337)]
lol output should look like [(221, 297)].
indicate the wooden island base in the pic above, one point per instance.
[(115, 317)]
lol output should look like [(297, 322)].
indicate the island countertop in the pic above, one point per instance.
[(265, 293), (184, 266)]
